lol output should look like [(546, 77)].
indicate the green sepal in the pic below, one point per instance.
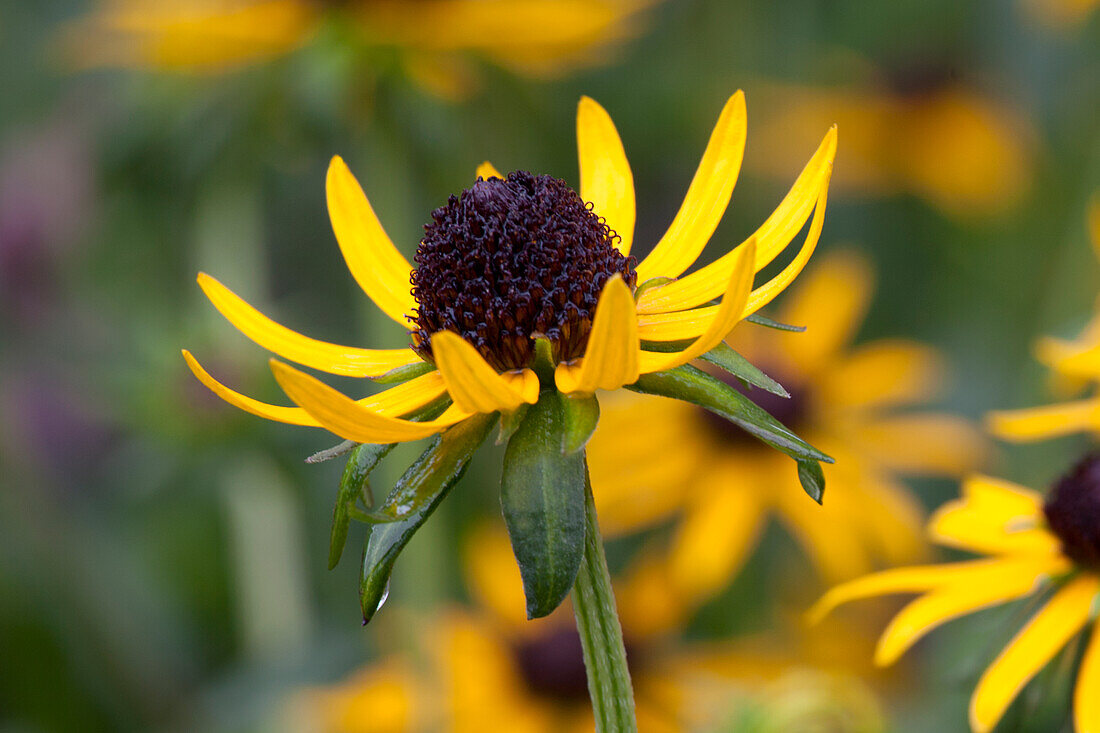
[(581, 414), (693, 385), (429, 480), (760, 320), (353, 484), (653, 282), (542, 498), (812, 479), (340, 449), (724, 357), (509, 423), (404, 373)]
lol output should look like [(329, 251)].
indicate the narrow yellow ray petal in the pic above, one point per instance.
[(772, 237), (394, 402), (471, 382), (1086, 701), (725, 318), (690, 323), (333, 358), (1048, 421), (350, 420), (487, 170), (999, 584), (707, 197), (606, 180), (525, 383), (381, 271), (611, 359), (993, 517), (913, 579), (1036, 643)]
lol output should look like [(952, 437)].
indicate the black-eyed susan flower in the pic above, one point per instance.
[(855, 402), (485, 668), (1076, 364), (1047, 548), (529, 36), (523, 303)]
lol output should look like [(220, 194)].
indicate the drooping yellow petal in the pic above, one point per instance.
[(350, 420), (690, 323), (913, 579), (725, 318), (487, 170), (471, 382), (394, 402), (772, 237), (1036, 643), (707, 197), (611, 358), (1086, 701), (381, 271), (606, 180), (999, 584), (1049, 421), (335, 359)]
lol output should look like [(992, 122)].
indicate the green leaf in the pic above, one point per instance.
[(353, 483), (699, 388), (509, 423), (437, 470), (404, 373), (769, 323), (724, 357), (335, 451), (542, 496), (581, 414), (812, 479)]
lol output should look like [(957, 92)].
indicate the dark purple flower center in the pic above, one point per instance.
[(1072, 510), (511, 259), (552, 664)]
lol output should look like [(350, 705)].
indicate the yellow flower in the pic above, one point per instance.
[(487, 669), (1049, 549), (846, 399), (475, 316), (1074, 362), (1060, 13), (945, 142), (528, 36)]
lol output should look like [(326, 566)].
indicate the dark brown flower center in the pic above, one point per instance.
[(1072, 510), (552, 664), (511, 259)]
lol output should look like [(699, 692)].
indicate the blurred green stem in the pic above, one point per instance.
[(600, 631)]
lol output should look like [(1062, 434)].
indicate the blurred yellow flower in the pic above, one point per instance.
[(945, 142), (1060, 13), (1048, 549), (476, 316), (724, 488), (488, 669), (1076, 363), (529, 36)]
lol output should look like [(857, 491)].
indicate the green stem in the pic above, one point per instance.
[(601, 635)]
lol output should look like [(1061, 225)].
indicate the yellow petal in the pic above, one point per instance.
[(923, 443), (999, 584), (350, 420), (707, 197), (772, 237), (381, 271), (486, 171), (994, 517), (611, 358), (725, 318), (691, 323), (1086, 701), (1049, 421), (393, 402), (883, 373), (335, 359), (471, 382), (1047, 632), (606, 180), (913, 579)]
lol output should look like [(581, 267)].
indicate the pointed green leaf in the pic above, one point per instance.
[(353, 483), (542, 497), (724, 357), (699, 388), (404, 373), (429, 479), (769, 323), (812, 479), (509, 423), (581, 414)]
